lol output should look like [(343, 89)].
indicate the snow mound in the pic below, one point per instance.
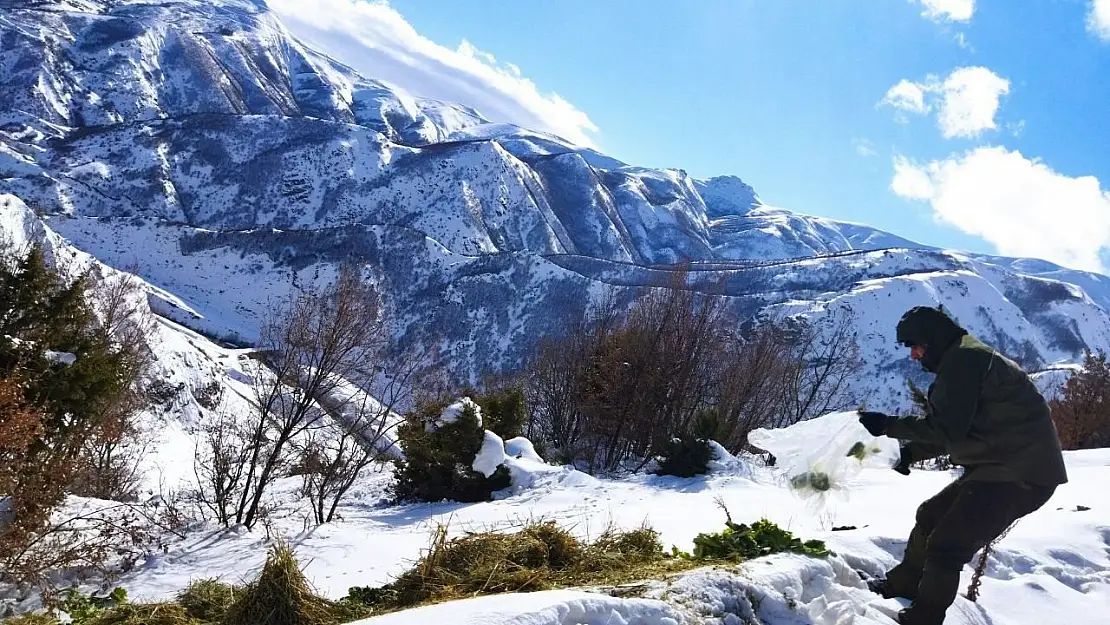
[(452, 413), (522, 448), (557, 607), (491, 456), (724, 462)]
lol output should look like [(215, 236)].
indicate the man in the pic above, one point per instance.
[(988, 416)]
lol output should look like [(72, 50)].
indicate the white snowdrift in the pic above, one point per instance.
[(491, 456)]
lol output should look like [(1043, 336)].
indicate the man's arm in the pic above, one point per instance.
[(921, 451), (955, 396), (914, 429)]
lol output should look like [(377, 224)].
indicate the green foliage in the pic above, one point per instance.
[(742, 542), (438, 458), (540, 556), (504, 410), (83, 608), (45, 312), (685, 456), (815, 480), (858, 451), (689, 454)]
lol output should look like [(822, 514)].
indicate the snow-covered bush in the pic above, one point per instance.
[(504, 409), (441, 444), (685, 456)]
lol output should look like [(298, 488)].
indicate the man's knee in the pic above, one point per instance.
[(928, 513), (949, 555)]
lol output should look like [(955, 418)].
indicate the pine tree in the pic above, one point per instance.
[(61, 373)]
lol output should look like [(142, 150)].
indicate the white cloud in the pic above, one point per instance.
[(377, 41), (970, 99), (907, 96), (965, 102), (1098, 19), (948, 10), (1019, 205), (910, 181), (864, 147)]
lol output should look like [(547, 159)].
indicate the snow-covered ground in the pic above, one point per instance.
[(1054, 567)]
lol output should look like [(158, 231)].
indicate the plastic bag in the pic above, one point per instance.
[(824, 455)]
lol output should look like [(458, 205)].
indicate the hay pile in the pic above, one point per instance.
[(282, 596), (208, 599), (539, 556)]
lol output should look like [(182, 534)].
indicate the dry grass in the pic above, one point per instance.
[(282, 596), (539, 556), (208, 599), (30, 619), (144, 614)]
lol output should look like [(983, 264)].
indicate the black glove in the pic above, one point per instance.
[(875, 422), (905, 458)]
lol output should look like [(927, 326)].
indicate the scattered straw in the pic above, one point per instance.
[(282, 596), (208, 599), (30, 619), (539, 556), (144, 614)]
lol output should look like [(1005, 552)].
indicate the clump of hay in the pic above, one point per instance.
[(144, 614), (540, 556), (30, 619), (208, 599), (282, 596)]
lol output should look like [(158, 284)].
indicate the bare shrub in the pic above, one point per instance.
[(360, 435), (1082, 412), (223, 451), (308, 416), (615, 388), (825, 357)]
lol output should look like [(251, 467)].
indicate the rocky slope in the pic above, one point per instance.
[(203, 147)]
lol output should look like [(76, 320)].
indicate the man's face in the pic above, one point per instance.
[(917, 352)]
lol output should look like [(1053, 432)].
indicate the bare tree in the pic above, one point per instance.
[(825, 359), (752, 374), (557, 376), (359, 435), (619, 386), (222, 455), (1082, 412), (312, 348)]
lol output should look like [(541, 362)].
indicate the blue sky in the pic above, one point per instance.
[(996, 139)]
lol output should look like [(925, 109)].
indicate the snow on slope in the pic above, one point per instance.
[(1053, 567), (188, 373), (229, 164), (103, 62)]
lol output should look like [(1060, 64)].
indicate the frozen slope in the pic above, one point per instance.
[(1053, 567), (227, 163)]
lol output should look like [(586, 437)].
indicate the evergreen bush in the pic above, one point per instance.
[(439, 457)]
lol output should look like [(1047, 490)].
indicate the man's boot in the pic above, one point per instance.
[(887, 590), (900, 581), (936, 592)]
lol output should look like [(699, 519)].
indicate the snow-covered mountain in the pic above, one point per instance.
[(203, 146)]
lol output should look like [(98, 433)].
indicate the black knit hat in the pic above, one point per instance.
[(930, 328)]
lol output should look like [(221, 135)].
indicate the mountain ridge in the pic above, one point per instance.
[(234, 164)]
